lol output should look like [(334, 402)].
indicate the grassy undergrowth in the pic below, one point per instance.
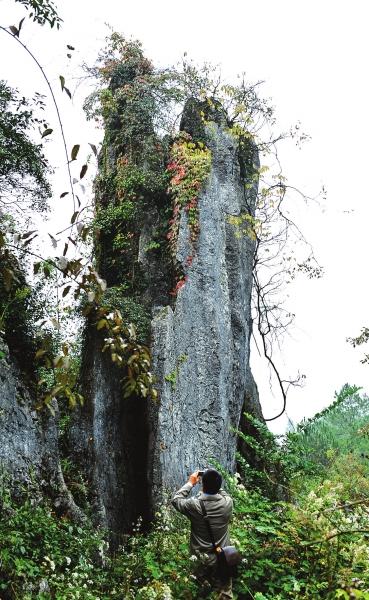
[(311, 544)]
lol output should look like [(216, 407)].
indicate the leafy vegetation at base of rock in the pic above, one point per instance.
[(43, 556), (310, 544)]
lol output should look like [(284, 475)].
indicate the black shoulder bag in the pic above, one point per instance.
[(228, 557)]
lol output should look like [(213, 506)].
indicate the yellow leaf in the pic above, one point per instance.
[(102, 323)]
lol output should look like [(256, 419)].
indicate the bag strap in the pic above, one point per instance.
[(207, 521)]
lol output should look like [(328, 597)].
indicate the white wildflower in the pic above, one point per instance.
[(167, 595), (51, 562)]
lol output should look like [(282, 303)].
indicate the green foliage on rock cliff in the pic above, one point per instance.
[(19, 309), (131, 309), (145, 167)]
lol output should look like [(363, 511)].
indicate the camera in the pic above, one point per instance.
[(200, 473)]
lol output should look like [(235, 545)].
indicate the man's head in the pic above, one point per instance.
[(211, 481)]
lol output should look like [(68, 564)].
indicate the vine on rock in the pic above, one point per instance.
[(189, 166), (126, 352)]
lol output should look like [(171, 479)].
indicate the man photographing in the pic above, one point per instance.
[(218, 507)]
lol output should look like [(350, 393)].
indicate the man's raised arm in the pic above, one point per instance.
[(180, 500)]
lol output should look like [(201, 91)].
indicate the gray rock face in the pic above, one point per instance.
[(109, 441), (132, 449), (201, 347), (21, 448), (29, 441)]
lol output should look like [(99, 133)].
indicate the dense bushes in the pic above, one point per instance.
[(42, 556), (315, 545)]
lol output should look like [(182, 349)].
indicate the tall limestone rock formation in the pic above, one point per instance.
[(136, 449), (201, 345), (175, 245), (190, 305)]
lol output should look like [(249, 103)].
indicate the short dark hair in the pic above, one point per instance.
[(211, 481)]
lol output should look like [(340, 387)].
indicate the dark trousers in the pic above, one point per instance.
[(211, 582)]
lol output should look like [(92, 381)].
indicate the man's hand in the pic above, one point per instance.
[(194, 478)]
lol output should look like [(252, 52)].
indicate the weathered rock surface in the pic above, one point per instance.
[(109, 441), (21, 448), (29, 440), (201, 347), (133, 450)]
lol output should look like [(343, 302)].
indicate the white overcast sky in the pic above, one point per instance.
[(313, 57)]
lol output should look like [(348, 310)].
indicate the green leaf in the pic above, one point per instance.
[(94, 149), (83, 171), (74, 216), (47, 269), (62, 81), (66, 291), (14, 30), (64, 194), (75, 151), (46, 132)]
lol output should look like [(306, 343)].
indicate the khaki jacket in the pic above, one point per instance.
[(219, 509)]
